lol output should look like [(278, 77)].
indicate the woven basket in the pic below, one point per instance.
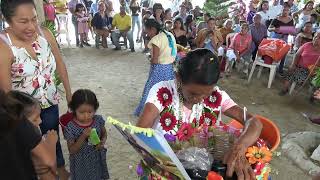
[(222, 143)]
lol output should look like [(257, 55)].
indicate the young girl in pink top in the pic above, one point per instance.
[(83, 26)]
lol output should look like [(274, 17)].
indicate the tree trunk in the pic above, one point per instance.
[(40, 11)]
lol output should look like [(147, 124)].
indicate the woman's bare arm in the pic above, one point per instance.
[(148, 116), (5, 66), (252, 126), (61, 67)]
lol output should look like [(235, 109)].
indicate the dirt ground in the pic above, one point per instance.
[(118, 77)]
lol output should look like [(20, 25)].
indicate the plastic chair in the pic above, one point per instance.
[(63, 27), (270, 132), (260, 62)]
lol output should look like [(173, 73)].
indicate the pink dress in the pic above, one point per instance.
[(83, 26)]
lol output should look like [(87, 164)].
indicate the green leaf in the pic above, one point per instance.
[(34, 92)]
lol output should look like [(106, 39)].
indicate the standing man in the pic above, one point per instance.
[(72, 8)]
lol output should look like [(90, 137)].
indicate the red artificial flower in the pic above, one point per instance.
[(164, 96), (214, 100), (208, 119), (168, 121), (35, 83), (185, 132)]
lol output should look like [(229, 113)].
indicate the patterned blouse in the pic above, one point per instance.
[(34, 76), (165, 97)]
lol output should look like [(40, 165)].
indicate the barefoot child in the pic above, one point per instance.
[(32, 113), (87, 161)]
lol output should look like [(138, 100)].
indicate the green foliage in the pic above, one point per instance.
[(217, 7), (51, 27), (316, 80)]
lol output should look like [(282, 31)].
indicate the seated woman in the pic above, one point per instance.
[(101, 24), (304, 36), (307, 56), (281, 27), (189, 96), (179, 32), (226, 29), (240, 49)]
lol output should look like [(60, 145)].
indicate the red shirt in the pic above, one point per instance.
[(241, 42)]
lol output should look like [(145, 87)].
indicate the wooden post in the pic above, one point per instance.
[(40, 11)]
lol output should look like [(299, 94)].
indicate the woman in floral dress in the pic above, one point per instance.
[(29, 59), (193, 97)]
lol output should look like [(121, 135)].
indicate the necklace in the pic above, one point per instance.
[(180, 111)]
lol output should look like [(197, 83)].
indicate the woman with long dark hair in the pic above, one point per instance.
[(163, 54), (179, 32)]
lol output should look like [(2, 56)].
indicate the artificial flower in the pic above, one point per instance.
[(255, 154), (208, 119), (185, 132), (139, 170), (35, 83), (258, 168), (164, 96), (214, 100), (170, 137), (168, 121)]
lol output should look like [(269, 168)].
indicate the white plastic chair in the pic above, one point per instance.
[(259, 62), (63, 27)]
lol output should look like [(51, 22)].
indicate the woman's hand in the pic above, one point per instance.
[(237, 163), (68, 97), (317, 94)]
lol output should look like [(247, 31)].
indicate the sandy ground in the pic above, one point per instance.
[(118, 77)]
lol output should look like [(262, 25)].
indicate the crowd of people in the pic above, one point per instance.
[(31, 62)]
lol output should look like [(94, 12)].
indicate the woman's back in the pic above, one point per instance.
[(165, 51)]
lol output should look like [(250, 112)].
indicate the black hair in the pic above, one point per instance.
[(200, 66), (78, 6), (181, 22), (211, 19), (12, 112), (167, 11), (29, 103), (262, 2), (8, 7), (286, 5), (83, 96), (189, 19), (309, 2), (315, 16), (152, 23)]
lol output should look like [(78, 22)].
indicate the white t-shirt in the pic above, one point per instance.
[(264, 16)]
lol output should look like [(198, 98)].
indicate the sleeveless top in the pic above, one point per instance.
[(34, 76), (182, 40)]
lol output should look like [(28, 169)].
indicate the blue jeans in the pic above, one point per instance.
[(116, 36), (136, 21), (50, 121)]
